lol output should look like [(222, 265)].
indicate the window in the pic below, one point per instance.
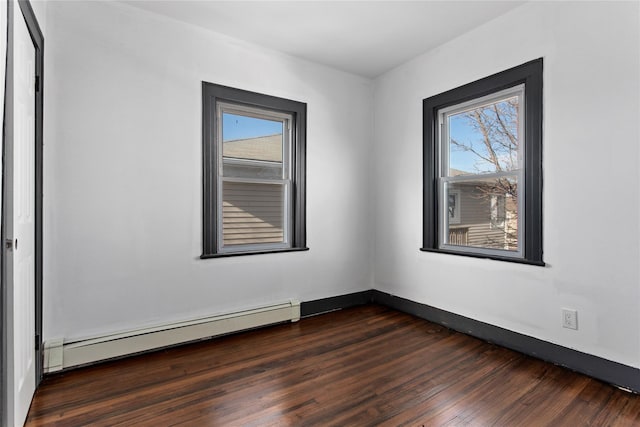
[(454, 207), (254, 172), (499, 210), (483, 167)]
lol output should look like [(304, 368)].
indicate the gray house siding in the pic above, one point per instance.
[(475, 226)]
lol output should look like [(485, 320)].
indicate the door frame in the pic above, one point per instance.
[(38, 41)]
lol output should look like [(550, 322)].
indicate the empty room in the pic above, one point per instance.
[(309, 213)]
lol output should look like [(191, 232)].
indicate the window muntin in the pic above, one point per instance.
[(480, 146), (254, 156), (518, 177)]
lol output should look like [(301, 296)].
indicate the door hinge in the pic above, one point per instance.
[(37, 342), (37, 83)]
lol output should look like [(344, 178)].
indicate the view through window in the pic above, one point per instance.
[(254, 149), (254, 177), (481, 150)]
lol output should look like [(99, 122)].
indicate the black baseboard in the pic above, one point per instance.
[(602, 369), (324, 305)]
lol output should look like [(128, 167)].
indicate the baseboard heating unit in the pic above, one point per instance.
[(59, 354)]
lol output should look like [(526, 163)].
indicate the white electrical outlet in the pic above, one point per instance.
[(569, 318)]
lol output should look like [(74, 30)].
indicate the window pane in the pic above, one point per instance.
[(252, 213), (252, 147), (484, 139), (485, 214)]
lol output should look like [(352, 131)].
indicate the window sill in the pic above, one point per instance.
[(267, 251), (486, 256)]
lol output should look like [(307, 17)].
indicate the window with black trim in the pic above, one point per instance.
[(483, 167), (254, 172)]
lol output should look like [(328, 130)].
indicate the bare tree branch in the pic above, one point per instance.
[(484, 128), (470, 148)]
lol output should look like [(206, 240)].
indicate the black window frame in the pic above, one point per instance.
[(530, 74), (212, 94)]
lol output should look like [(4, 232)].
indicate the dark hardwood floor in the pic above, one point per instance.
[(364, 366)]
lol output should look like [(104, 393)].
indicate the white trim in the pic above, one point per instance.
[(257, 180), (251, 162), (89, 350), (482, 251), (481, 176), (483, 101), (254, 112)]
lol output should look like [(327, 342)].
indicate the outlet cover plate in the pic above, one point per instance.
[(569, 318)]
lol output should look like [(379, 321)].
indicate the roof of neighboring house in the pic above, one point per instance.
[(457, 172), (266, 148)]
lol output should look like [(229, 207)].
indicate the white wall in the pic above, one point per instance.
[(123, 173), (591, 182)]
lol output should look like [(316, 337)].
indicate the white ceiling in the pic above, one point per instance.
[(366, 38)]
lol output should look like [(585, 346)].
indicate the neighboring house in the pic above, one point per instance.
[(481, 217), (253, 212)]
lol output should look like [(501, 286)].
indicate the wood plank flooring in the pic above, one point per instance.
[(366, 366)]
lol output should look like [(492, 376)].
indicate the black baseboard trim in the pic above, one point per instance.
[(324, 305), (602, 369), (605, 370)]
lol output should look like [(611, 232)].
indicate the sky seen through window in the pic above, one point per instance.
[(235, 126)]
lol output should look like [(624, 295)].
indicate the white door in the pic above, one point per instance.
[(23, 263)]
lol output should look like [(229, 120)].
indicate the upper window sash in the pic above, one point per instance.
[(243, 110), (444, 114)]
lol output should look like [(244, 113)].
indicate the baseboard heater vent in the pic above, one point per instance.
[(60, 355)]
